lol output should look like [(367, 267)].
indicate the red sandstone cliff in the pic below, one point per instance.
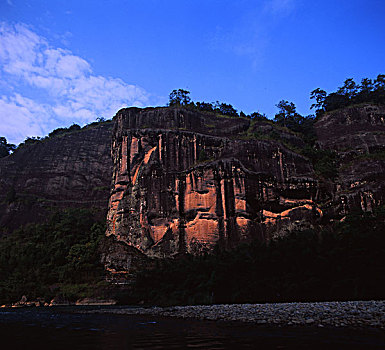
[(184, 182)]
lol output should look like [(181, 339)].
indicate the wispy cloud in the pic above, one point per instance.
[(67, 90), (247, 40), (251, 36), (280, 7)]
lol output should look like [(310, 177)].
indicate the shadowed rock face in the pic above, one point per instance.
[(357, 134), (71, 170), (183, 182), (357, 129)]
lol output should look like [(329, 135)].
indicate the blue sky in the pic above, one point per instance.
[(64, 61)]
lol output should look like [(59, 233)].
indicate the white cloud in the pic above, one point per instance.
[(68, 90), (21, 117)]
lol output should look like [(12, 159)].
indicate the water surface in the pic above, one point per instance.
[(66, 328)]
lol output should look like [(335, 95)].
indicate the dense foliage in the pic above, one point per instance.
[(59, 257), (350, 93), (325, 162), (61, 131), (343, 262), (181, 97), (289, 118)]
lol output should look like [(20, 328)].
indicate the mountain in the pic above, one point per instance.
[(173, 181), (186, 181)]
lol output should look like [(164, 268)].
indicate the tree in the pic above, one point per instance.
[(179, 97), (258, 116), (75, 127), (288, 117), (5, 147), (30, 141), (349, 89), (379, 91), (335, 101), (205, 106), (226, 109), (380, 82), (350, 93), (287, 114), (365, 93), (366, 85), (319, 96)]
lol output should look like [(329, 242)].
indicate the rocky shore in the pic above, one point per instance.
[(352, 314), (58, 301)]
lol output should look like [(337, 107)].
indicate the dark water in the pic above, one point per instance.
[(66, 328)]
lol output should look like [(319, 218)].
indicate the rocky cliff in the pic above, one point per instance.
[(185, 182), (70, 170), (357, 135)]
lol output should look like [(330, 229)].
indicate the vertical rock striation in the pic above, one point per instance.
[(184, 182), (357, 135)]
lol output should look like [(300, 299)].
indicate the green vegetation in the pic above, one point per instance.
[(350, 93), (378, 155), (342, 262), (55, 133), (181, 97), (325, 162), (59, 132), (202, 156), (59, 257), (5, 147), (289, 118), (30, 141)]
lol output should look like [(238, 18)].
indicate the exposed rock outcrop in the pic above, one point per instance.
[(357, 134), (184, 182), (70, 170)]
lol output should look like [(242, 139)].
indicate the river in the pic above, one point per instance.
[(68, 328)]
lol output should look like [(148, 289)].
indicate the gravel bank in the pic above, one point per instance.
[(362, 314)]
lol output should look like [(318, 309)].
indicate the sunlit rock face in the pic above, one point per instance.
[(185, 182), (357, 135)]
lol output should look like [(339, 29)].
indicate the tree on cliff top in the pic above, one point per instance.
[(5, 147), (350, 93), (287, 115), (179, 97)]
